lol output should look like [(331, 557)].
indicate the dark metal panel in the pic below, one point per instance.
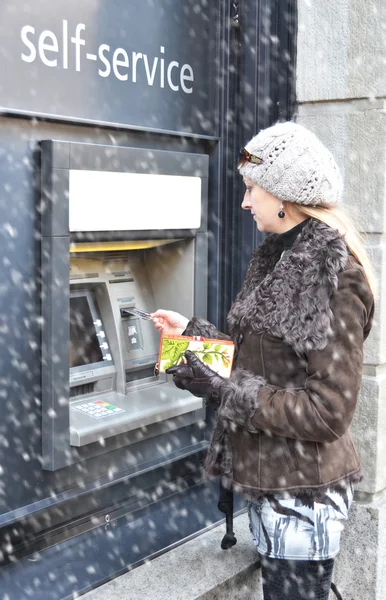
[(204, 197), (146, 234), (261, 90), (231, 242), (23, 482), (201, 275), (70, 569), (214, 229), (54, 206), (221, 216), (55, 356), (92, 61), (57, 155), (97, 494), (96, 157), (25, 487)]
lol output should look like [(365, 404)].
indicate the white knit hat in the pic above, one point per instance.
[(295, 167)]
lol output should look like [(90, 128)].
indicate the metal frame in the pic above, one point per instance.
[(58, 158)]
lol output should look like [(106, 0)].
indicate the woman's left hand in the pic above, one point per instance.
[(196, 377)]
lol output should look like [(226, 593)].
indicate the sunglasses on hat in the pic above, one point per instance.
[(246, 156)]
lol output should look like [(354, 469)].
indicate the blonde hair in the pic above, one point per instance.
[(337, 219)]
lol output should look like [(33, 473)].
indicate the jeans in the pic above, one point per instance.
[(296, 579)]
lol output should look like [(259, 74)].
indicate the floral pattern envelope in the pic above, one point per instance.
[(217, 354)]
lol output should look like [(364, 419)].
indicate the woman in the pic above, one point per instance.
[(281, 436)]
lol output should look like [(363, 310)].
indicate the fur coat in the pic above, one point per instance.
[(299, 323)]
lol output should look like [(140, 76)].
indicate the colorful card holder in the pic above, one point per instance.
[(217, 354)]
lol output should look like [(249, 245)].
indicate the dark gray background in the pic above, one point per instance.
[(185, 29)]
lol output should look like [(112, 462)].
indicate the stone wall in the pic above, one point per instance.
[(341, 96)]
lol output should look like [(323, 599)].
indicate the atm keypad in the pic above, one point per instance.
[(99, 409)]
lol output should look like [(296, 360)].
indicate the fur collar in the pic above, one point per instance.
[(289, 297)]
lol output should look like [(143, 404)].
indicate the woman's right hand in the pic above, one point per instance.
[(169, 322)]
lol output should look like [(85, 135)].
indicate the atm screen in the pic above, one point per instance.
[(85, 348)]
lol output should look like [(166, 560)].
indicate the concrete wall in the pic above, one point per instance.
[(341, 95)]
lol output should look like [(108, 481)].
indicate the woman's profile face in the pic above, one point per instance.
[(264, 206)]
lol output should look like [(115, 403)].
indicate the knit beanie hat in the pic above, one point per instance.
[(296, 166)]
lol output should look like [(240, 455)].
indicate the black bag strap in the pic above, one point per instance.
[(225, 505), (336, 591)]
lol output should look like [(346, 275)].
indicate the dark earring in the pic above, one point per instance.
[(281, 213)]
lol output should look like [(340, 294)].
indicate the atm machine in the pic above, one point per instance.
[(122, 228)]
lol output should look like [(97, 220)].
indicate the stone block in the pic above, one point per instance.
[(356, 135), (369, 433), (360, 568), (375, 345), (340, 50), (243, 586)]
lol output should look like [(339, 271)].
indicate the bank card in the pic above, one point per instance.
[(217, 354), (136, 312)]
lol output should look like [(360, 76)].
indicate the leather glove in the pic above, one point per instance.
[(196, 377)]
